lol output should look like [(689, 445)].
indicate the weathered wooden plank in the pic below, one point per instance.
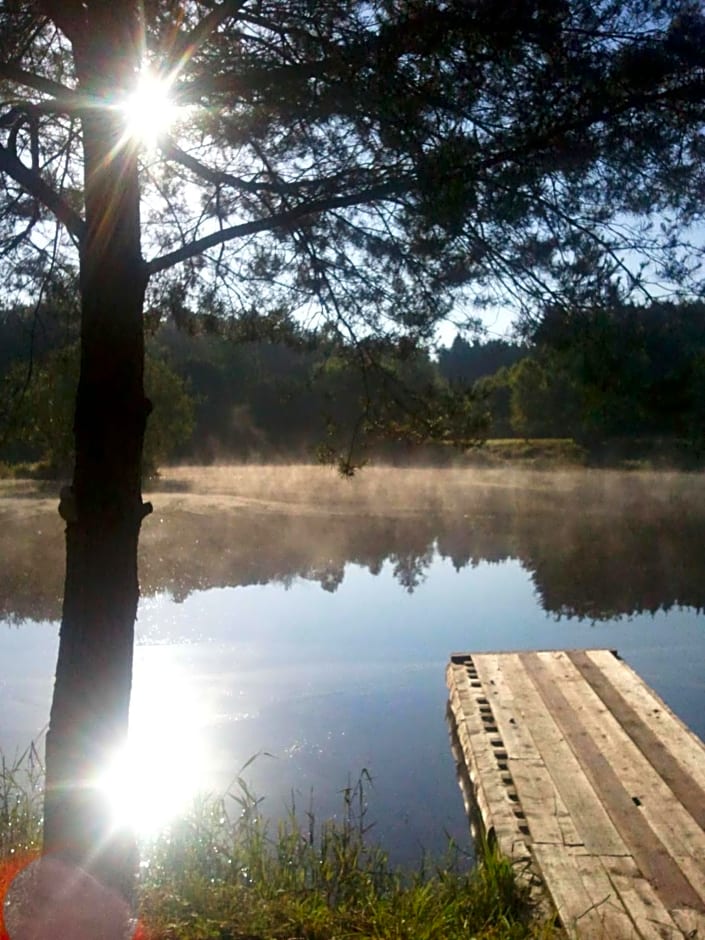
[(680, 834), (548, 819), (599, 752), (592, 825), (680, 782), (571, 754), (586, 902), (505, 706), (691, 923), (679, 741), (604, 895), (484, 758), (652, 920)]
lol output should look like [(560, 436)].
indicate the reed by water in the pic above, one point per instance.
[(223, 872)]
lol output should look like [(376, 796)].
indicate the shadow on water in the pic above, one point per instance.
[(596, 546)]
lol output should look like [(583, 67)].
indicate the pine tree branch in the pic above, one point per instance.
[(33, 184), (62, 100), (277, 221), (218, 177), (393, 39), (302, 187), (68, 15), (208, 25), (31, 80)]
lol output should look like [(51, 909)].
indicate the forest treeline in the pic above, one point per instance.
[(618, 380)]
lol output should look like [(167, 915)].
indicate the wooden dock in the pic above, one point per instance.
[(589, 782)]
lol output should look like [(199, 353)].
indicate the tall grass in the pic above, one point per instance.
[(222, 872), (226, 875), (21, 797)]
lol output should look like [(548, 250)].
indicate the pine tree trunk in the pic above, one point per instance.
[(104, 508)]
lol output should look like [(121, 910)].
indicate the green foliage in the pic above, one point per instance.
[(541, 400), (596, 375), (625, 370), (465, 363), (21, 794), (43, 415), (494, 391), (45, 396), (221, 873), (608, 374), (172, 420), (209, 877), (696, 412), (316, 394)]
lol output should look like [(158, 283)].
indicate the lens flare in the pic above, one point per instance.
[(43, 898), (150, 110)]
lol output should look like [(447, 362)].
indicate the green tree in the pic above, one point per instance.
[(172, 421), (44, 416), (42, 419), (465, 363), (633, 370), (351, 160), (542, 400), (494, 391)]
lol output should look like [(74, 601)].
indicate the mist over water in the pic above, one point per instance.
[(292, 611), (596, 544)]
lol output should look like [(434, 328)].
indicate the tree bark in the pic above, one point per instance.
[(103, 509)]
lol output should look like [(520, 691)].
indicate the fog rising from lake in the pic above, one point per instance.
[(597, 544), (309, 616)]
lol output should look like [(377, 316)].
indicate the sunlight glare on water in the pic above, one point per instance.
[(165, 763)]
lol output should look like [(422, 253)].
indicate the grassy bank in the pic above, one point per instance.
[(626, 453), (539, 453), (222, 873), (210, 877)]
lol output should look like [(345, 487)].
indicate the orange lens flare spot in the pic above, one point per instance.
[(46, 898), (9, 869)]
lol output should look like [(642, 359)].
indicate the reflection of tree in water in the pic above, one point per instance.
[(330, 576), (592, 551), (484, 539), (410, 568), (607, 570)]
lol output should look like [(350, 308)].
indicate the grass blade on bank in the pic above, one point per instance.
[(222, 872)]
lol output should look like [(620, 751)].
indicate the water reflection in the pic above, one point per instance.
[(316, 625), (595, 546)]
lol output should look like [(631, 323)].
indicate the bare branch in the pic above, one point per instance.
[(33, 184), (277, 221), (208, 25), (45, 85), (301, 187)]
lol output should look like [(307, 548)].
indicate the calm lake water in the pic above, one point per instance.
[(308, 620)]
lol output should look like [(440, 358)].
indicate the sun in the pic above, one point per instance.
[(150, 110)]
